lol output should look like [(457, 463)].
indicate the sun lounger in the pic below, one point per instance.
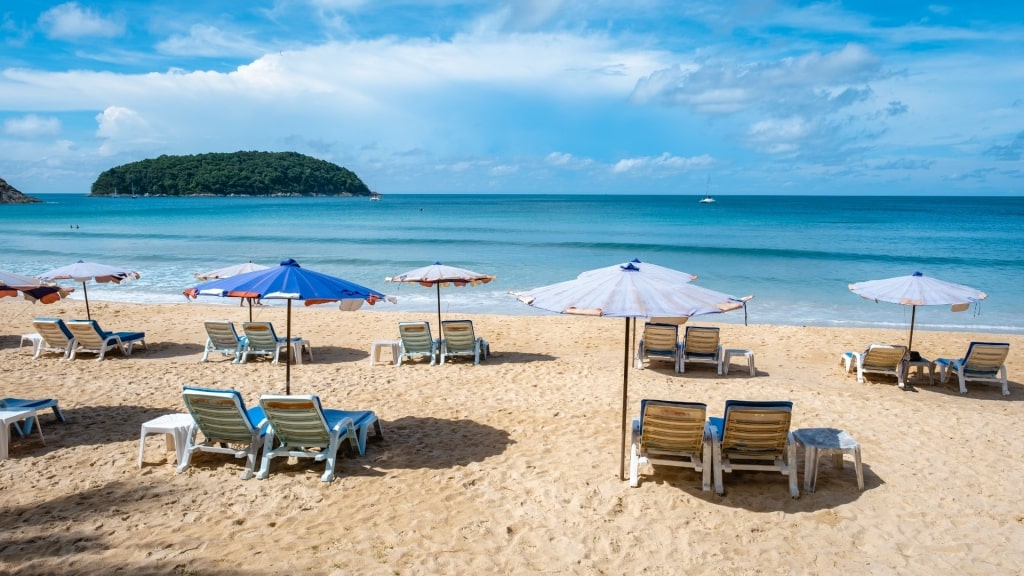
[(222, 337), (459, 340), (54, 336), (261, 339), (416, 342), (659, 342), (222, 418), (879, 359), (16, 403), (671, 434), (984, 362), (89, 337), (701, 344), (754, 436), (300, 424)]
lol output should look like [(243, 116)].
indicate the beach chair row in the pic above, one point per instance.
[(76, 336), (257, 339), (458, 339), (751, 435), (983, 362), (280, 426), (700, 344)]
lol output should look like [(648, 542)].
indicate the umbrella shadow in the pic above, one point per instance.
[(763, 492), (41, 552), (988, 391), (86, 426), (506, 358), (163, 350), (415, 442)]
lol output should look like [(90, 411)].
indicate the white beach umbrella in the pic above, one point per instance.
[(233, 270), (918, 290), (228, 271), (84, 271), (632, 290), (437, 275), (33, 289)]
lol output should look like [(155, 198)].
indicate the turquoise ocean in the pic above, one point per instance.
[(795, 254)]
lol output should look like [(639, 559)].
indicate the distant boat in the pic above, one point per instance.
[(707, 199), (375, 196)]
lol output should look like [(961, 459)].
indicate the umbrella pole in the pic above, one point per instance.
[(438, 312), (250, 309), (625, 397), (288, 349), (910, 341), (85, 291)]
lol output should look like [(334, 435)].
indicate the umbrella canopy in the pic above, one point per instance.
[(289, 281), (12, 284), (84, 271), (918, 290), (229, 271), (437, 275), (632, 290)]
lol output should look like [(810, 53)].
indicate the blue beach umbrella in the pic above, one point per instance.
[(289, 281), (632, 290), (918, 290)]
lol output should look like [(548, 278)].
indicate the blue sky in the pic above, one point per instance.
[(534, 96)]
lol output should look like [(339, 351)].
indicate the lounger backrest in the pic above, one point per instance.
[(661, 338), (222, 333), (297, 420), (220, 414), (701, 340), (986, 357), (756, 429), (667, 426), (884, 356), (88, 333), (53, 331), (458, 335), (261, 335), (415, 336)]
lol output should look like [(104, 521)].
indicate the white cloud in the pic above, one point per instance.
[(204, 40), (68, 22), (664, 163), (119, 126), (32, 126)]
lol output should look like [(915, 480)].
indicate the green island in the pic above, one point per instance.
[(230, 174)]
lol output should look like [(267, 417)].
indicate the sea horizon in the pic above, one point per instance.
[(796, 254)]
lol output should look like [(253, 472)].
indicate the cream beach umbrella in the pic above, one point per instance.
[(84, 271), (918, 290), (632, 290), (437, 275), (229, 271), (33, 289)]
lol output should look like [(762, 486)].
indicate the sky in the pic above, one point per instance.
[(533, 96)]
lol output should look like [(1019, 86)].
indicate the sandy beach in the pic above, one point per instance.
[(509, 467)]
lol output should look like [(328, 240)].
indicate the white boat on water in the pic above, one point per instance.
[(374, 196), (707, 199)]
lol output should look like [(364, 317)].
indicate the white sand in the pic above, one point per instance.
[(509, 467)]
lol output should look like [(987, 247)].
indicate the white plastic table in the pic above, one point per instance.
[(9, 416), (377, 345), (730, 352), (920, 365), (175, 426), (34, 339), (818, 442)]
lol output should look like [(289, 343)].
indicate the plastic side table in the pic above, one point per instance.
[(818, 442), (176, 428), (10, 416), (729, 353), (377, 345)]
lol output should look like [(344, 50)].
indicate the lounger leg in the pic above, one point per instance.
[(187, 455), (268, 445), (963, 380), (634, 466)]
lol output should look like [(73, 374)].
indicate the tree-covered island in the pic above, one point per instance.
[(230, 174)]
